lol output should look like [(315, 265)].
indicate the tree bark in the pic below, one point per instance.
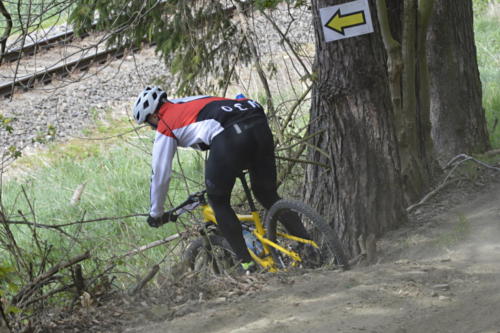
[(361, 190), (458, 120), (409, 82)]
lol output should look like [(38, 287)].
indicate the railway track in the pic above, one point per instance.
[(24, 68), (46, 76), (42, 44), (38, 73)]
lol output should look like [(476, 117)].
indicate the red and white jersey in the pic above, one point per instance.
[(191, 122)]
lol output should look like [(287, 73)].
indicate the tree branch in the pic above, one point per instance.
[(145, 280), (297, 160), (54, 226), (150, 245), (30, 288), (304, 139), (295, 106), (6, 33), (287, 41), (453, 162)]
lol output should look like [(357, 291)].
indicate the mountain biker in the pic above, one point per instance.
[(238, 136)]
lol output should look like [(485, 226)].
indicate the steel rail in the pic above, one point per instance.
[(46, 76), (42, 44)]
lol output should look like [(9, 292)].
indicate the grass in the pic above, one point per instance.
[(487, 35), (116, 174)]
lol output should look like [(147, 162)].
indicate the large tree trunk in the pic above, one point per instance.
[(361, 190), (403, 31), (458, 120)]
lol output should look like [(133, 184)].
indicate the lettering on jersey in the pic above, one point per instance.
[(254, 104), (240, 107), (246, 105)]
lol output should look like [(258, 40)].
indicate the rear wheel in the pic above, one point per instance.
[(329, 251), (210, 255)]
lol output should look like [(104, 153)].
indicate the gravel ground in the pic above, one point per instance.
[(75, 103)]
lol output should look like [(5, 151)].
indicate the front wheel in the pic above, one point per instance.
[(209, 255), (328, 252)]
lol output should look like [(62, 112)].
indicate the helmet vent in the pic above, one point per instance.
[(155, 95), (146, 104)]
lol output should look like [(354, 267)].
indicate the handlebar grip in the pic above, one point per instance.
[(169, 216)]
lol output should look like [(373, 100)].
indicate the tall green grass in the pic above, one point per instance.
[(116, 175), (487, 35)]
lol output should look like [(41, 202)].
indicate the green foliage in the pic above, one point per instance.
[(5, 123), (194, 40), (272, 4), (481, 5), (487, 35), (46, 136), (265, 4), (7, 286)]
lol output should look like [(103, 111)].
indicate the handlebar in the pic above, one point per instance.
[(198, 198), (193, 201)]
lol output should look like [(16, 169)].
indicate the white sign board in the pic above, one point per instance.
[(346, 20)]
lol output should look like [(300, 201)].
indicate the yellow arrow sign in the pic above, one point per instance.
[(339, 22)]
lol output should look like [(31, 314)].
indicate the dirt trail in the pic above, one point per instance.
[(440, 275)]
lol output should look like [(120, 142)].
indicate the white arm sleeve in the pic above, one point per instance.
[(163, 154)]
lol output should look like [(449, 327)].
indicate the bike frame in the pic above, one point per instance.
[(266, 260)]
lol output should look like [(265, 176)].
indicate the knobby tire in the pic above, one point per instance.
[(331, 251), (213, 262)]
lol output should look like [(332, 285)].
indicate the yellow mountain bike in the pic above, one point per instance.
[(268, 243)]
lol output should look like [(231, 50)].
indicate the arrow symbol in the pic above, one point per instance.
[(339, 22)]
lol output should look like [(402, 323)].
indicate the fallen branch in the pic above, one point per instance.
[(146, 279), (454, 164), (151, 245), (77, 194), (428, 196), (469, 158), (54, 226)]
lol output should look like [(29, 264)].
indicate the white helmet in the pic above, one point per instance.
[(147, 102)]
